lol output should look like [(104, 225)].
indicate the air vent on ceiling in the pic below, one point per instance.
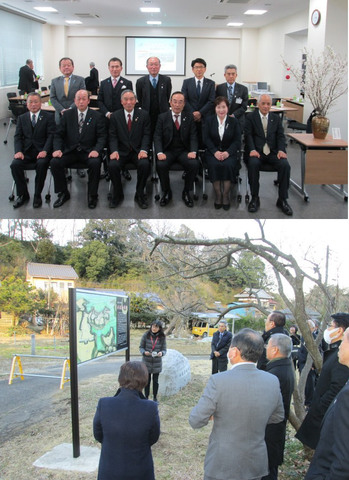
[(233, 1), (86, 15), (217, 17)]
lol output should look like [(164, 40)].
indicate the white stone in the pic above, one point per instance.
[(175, 373)]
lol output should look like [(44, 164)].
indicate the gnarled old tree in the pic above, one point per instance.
[(212, 255)]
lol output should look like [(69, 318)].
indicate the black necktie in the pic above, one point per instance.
[(198, 88), (33, 120)]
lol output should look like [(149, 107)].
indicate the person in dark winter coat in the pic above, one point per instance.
[(220, 345), (127, 426), (332, 379), (280, 364), (274, 323), (331, 460), (153, 348)]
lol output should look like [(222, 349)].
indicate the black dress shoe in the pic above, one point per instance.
[(254, 204), (62, 198), (21, 200), (81, 173), (284, 207), (217, 206), (92, 201), (226, 206), (114, 201), (126, 174), (187, 199), (141, 200), (166, 197), (37, 202)]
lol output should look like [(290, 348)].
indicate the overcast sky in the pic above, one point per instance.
[(297, 237)]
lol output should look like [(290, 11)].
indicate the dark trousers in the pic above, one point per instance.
[(273, 474), (190, 166), (143, 171), (282, 167), (219, 364), (155, 385), (58, 166), (18, 167)]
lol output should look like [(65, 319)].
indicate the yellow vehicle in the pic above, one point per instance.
[(202, 328)]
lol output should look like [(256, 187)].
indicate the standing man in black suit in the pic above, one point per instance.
[(92, 81), (266, 145), (199, 95), (109, 96), (27, 78), (236, 94), (175, 139), (154, 91), (80, 138), (220, 345), (33, 144), (129, 141)]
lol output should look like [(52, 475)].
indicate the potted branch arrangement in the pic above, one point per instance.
[(322, 79)]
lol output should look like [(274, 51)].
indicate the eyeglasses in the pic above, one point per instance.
[(199, 67)]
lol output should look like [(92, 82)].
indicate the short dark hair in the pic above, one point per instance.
[(250, 343), (115, 59), (178, 92), (66, 58), (34, 94), (198, 60), (341, 319), (221, 99), (278, 318), (133, 375)]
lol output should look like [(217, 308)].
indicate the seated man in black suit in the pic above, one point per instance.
[(199, 95), (175, 139), (80, 138), (33, 144), (129, 141), (266, 145), (236, 94)]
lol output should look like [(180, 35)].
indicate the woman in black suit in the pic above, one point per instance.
[(222, 137), (127, 425)]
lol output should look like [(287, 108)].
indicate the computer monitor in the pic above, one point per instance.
[(262, 86)]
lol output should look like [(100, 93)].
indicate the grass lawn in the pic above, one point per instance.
[(180, 451)]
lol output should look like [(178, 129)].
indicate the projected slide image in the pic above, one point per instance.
[(165, 47)]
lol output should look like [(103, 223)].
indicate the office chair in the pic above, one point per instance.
[(44, 89), (16, 108)]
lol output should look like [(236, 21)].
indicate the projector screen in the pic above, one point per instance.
[(170, 51)]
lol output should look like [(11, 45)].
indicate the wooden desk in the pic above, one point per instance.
[(323, 162), (51, 108), (20, 98), (297, 114)]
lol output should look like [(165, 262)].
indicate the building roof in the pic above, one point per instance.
[(254, 292), (47, 270)]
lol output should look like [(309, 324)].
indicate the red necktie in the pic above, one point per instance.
[(176, 122), (129, 122)]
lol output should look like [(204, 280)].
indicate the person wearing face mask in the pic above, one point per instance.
[(332, 379)]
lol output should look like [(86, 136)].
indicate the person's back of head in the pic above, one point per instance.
[(249, 343), (283, 343), (278, 318)]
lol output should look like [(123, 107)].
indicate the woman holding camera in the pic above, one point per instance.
[(153, 348)]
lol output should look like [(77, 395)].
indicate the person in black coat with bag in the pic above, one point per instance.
[(280, 364), (153, 348), (127, 425), (220, 344)]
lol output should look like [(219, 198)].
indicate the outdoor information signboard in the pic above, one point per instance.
[(99, 325)]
